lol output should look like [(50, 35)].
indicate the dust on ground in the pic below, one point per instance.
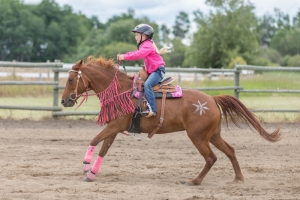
[(43, 160)]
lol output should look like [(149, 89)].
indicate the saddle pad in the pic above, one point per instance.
[(158, 95)]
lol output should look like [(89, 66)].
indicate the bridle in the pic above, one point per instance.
[(79, 75)]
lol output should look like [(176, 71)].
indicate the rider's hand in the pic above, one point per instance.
[(120, 57)]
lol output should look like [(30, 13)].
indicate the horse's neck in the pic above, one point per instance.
[(102, 78), (125, 81)]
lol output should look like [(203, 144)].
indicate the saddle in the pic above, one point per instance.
[(164, 84), (163, 87)]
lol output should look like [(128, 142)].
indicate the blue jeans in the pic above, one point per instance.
[(151, 81)]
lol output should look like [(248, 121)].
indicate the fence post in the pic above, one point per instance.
[(179, 78), (236, 81), (55, 91)]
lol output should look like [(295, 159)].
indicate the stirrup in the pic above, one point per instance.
[(149, 113)]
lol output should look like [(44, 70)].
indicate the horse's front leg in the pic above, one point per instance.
[(91, 171), (90, 152)]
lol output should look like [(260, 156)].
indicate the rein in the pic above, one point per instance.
[(119, 62)]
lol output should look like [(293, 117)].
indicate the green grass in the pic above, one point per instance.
[(27, 101), (274, 102), (25, 90), (91, 105)]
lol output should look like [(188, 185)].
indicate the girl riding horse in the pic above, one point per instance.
[(154, 63)]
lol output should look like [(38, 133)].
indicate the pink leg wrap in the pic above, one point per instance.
[(89, 154), (97, 164), (86, 167)]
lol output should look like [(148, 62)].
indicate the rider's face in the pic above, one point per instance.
[(138, 37)]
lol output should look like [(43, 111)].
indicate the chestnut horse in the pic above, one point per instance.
[(196, 112)]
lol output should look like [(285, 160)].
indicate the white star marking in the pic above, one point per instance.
[(201, 107)]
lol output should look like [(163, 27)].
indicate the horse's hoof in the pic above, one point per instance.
[(191, 183), (188, 184), (87, 179), (90, 176), (238, 181)]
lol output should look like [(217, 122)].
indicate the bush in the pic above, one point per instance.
[(236, 60), (285, 60), (262, 62), (293, 61), (273, 55)]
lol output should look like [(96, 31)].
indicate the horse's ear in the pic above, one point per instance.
[(77, 65), (79, 62)]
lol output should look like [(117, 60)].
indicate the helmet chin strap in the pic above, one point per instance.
[(139, 44)]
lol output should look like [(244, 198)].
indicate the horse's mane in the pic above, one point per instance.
[(103, 63), (100, 62)]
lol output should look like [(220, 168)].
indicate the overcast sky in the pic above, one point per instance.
[(163, 11)]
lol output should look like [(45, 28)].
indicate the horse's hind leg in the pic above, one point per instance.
[(228, 150), (202, 144), (93, 170)]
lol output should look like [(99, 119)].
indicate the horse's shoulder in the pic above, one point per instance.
[(131, 77)]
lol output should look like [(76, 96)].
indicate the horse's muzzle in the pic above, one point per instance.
[(67, 102)]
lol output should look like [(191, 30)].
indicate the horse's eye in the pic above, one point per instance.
[(70, 80)]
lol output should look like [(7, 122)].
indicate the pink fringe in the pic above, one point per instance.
[(113, 104)]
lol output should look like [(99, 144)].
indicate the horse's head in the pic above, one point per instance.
[(76, 85)]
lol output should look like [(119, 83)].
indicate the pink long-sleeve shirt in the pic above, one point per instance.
[(146, 51)]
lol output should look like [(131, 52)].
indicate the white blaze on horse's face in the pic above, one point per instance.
[(69, 95), (201, 107)]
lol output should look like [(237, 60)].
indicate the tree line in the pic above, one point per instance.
[(231, 33)]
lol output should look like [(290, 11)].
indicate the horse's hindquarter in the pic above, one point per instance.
[(194, 110)]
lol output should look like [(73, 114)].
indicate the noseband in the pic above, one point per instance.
[(79, 75)]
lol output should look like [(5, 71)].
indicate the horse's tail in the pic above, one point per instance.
[(233, 107)]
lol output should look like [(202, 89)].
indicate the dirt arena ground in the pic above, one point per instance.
[(43, 160)]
